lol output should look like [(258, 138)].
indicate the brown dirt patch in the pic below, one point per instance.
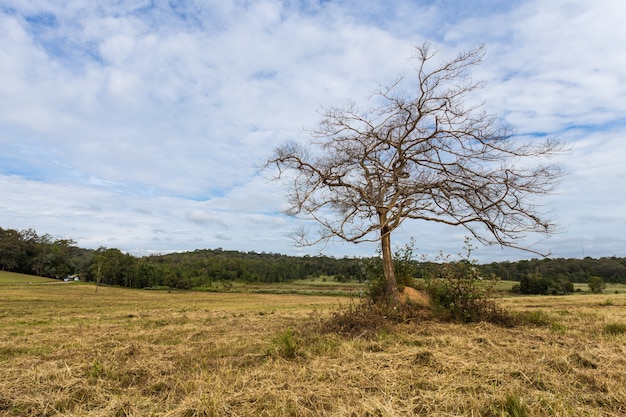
[(417, 297)]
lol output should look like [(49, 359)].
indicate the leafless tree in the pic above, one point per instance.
[(421, 151)]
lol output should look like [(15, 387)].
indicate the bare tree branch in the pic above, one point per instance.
[(420, 153)]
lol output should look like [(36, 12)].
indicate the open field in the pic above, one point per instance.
[(312, 286), (67, 350), (12, 278)]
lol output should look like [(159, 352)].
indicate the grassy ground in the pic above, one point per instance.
[(12, 278), (328, 286), (313, 286), (67, 350)]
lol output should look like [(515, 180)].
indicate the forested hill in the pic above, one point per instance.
[(220, 264), (27, 252), (610, 269), (30, 253)]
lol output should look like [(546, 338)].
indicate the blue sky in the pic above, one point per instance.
[(141, 124)]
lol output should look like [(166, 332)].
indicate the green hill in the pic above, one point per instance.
[(13, 278)]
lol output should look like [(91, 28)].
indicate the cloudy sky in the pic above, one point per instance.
[(141, 124)]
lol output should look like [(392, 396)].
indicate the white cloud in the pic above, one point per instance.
[(142, 125), (558, 65)]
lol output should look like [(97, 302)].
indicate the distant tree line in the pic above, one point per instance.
[(28, 252), (557, 276), (610, 269)]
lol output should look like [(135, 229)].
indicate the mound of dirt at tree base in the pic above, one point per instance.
[(413, 296)]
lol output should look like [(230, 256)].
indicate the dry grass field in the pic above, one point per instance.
[(67, 350)]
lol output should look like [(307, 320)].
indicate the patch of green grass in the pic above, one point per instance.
[(558, 328), (612, 288), (13, 278), (536, 318), (614, 328), (504, 286), (511, 406), (285, 345), (323, 286)]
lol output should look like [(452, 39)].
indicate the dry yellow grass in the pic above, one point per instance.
[(69, 351)]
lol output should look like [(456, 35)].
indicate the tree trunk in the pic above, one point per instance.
[(392, 295)]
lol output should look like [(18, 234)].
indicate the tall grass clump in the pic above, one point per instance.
[(285, 345), (537, 318), (614, 329), (511, 406)]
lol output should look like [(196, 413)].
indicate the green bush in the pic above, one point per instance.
[(537, 284), (460, 293), (596, 285)]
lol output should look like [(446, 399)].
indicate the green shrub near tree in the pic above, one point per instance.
[(457, 289), (596, 284), (538, 284)]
